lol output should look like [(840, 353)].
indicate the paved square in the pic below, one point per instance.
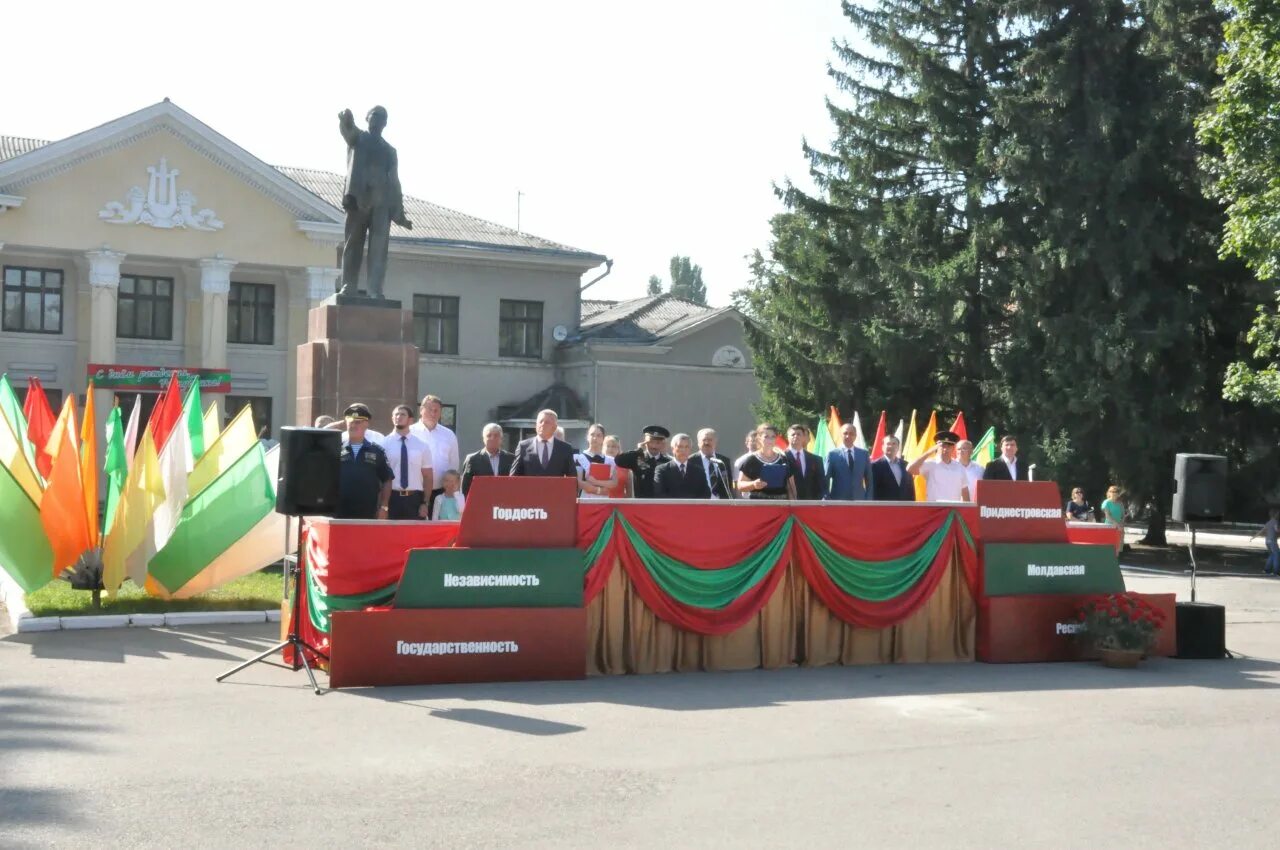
[(122, 738)]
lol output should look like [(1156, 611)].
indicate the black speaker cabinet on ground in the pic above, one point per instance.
[(1202, 630), (1199, 487), (308, 479)]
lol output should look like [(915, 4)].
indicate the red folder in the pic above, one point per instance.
[(599, 472)]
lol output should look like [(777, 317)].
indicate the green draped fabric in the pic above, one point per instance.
[(592, 555), (878, 581), (320, 604), (710, 589)]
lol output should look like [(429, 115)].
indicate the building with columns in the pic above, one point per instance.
[(154, 241)]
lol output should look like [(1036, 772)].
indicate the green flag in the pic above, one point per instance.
[(193, 416), (822, 439), (11, 409), (985, 451), (116, 466), (25, 553)]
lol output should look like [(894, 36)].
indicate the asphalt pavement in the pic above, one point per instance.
[(121, 738)]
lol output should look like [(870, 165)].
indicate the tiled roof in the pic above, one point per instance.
[(11, 146), (590, 308), (431, 222), (643, 320), (557, 397)]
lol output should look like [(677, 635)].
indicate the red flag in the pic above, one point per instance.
[(166, 413), (39, 424), (877, 447), (959, 427)]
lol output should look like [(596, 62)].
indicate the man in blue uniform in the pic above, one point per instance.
[(364, 481)]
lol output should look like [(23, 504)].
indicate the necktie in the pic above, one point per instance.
[(849, 452), (682, 470), (544, 453), (800, 463), (404, 462)]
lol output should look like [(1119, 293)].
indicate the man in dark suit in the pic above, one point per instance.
[(1007, 467), (890, 480), (849, 469), (491, 460), (811, 478), (715, 469), (545, 454), (644, 462), (678, 479)]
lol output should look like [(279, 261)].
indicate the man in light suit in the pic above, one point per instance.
[(715, 468), (544, 454), (1007, 467), (849, 470), (491, 460), (889, 477)]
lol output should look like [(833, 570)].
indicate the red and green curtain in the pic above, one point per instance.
[(707, 569)]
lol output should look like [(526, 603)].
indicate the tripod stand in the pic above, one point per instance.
[(300, 646)]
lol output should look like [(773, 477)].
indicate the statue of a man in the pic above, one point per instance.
[(371, 198)]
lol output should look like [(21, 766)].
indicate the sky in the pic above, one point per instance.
[(636, 131)]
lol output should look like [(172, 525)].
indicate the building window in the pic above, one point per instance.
[(32, 300), (261, 412), (126, 401), (251, 313), (520, 329), (144, 309), (435, 323), (449, 416)]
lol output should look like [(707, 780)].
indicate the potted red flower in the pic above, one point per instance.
[(1121, 626)]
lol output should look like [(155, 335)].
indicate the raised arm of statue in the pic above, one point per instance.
[(347, 126)]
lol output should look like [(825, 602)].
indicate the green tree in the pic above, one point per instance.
[(1243, 130), (686, 281), (655, 285), (1124, 316), (886, 288)]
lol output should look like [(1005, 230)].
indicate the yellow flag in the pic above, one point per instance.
[(89, 466), (927, 440), (211, 428), (143, 491), (65, 416), (238, 437), (15, 460), (910, 447)]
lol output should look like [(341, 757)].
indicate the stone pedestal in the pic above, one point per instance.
[(357, 349)]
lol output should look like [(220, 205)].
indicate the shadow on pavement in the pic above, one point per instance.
[(764, 688), (35, 721), (220, 643)]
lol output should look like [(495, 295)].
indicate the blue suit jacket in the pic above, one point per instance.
[(847, 482)]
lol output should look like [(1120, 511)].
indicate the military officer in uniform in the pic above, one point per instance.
[(644, 462), (364, 478)]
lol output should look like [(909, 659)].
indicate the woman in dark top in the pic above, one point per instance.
[(1078, 509), (751, 483)]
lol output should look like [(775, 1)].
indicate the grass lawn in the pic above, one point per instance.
[(257, 592)]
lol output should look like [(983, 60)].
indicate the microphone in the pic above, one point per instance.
[(1031, 472)]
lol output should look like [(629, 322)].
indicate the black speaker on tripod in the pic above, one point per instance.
[(1199, 488), (308, 479)]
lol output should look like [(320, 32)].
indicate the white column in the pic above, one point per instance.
[(215, 283), (322, 282), (104, 285)]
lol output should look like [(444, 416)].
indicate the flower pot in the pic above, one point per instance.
[(1121, 658)]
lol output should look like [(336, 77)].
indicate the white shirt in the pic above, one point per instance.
[(944, 482), (439, 503), (1013, 466), (975, 472), (419, 459), (493, 459), (584, 463), (444, 448)]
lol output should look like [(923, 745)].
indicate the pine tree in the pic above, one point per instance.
[(885, 289), (655, 285), (1123, 316)]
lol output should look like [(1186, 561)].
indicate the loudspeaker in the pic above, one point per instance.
[(1202, 630), (307, 484), (1199, 487)]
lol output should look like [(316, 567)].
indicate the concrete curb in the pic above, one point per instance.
[(27, 624)]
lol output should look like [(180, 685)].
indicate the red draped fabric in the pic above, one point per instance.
[(890, 535)]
